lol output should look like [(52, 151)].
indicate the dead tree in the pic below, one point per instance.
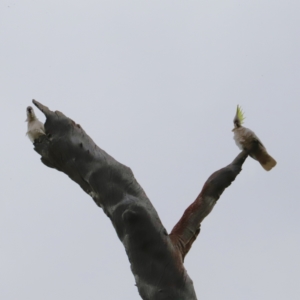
[(156, 257)]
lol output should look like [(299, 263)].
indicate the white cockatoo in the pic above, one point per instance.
[(247, 140), (34, 126)]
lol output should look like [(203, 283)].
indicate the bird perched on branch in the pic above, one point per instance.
[(247, 140), (34, 126)]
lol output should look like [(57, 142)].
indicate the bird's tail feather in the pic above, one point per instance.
[(264, 158)]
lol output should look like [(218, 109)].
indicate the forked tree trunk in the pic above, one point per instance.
[(156, 257)]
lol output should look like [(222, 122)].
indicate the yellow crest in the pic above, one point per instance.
[(240, 115)]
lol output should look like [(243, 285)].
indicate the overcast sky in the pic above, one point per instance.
[(155, 84)]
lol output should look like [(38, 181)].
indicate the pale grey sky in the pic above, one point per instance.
[(155, 84)]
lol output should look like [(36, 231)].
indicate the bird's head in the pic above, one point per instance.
[(30, 114), (239, 118)]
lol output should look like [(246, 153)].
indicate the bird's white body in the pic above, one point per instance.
[(35, 127), (243, 137)]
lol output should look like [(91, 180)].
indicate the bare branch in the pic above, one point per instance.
[(155, 263), (156, 258), (187, 229)]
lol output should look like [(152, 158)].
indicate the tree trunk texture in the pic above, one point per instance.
[(156, 257)]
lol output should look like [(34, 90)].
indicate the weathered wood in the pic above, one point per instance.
[(156, 258), (187, 229)]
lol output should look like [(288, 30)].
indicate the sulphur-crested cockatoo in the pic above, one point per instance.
[(35, 128), (247, 140)]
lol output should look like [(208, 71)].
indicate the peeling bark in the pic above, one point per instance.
[(156, 257), (187, 229)]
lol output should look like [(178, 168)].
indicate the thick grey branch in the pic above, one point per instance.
[(155, 263), (187, 229)]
